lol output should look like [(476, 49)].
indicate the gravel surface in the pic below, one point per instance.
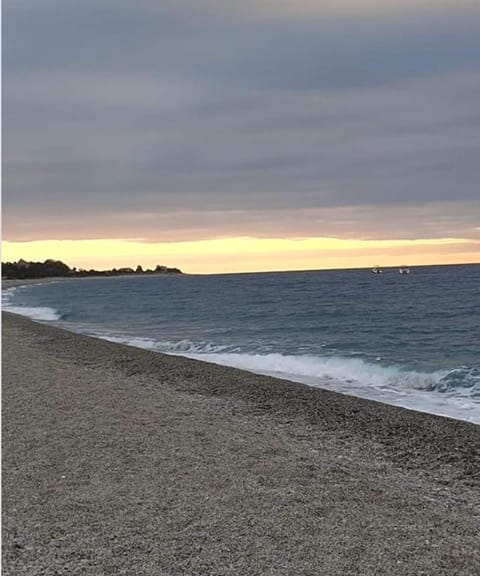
[(122, 461)]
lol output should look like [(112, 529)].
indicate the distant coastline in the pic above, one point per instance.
[(23, 270)]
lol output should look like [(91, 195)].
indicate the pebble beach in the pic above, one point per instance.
[(118, 460)]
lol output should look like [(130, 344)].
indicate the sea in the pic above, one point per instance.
[(410, 340)]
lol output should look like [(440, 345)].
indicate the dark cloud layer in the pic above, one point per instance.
[(162, 120)]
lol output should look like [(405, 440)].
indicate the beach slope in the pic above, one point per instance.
[(122, 461)]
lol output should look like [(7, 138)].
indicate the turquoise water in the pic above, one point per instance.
[(411, 340)]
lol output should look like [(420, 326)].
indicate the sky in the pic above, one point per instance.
[(224, 135)]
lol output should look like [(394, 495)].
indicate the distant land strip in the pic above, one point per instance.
[(56, 268)]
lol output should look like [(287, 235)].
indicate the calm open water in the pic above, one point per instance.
[(410, 340)]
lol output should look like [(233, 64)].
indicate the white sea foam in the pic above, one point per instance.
[(349, 370), (137, 342), (426, 392), (7, 295), (41, 313), (313, 369), (35, 313), (354, 377)]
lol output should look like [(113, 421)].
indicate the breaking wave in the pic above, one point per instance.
[(35, 313), (452, 393), (42, 313), (319, 370), (349, 370)]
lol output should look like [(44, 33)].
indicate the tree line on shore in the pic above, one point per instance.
[(55, 268)]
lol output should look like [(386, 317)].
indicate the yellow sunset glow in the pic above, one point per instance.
[(247, 254)]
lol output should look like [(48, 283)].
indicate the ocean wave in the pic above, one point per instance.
[(349, 370), (7, 294), (35, 313), (318, 370), (454, 393), (451, 393), (463, 377), (136, 341), (42, 313)]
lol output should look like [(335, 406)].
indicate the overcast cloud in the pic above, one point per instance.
[(188, 119)]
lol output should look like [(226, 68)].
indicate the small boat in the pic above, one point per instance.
[(404, 270), (377, 270)]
